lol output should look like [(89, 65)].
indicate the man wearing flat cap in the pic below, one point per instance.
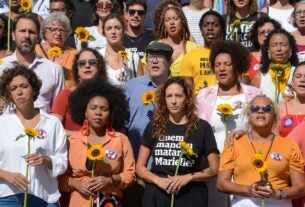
[(158, 58)]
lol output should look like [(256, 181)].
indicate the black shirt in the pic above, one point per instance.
[(165, 151)]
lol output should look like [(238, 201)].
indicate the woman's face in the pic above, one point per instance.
[(103, 8), (2, 30), (299, 16), (279, 48), (21, 92), (14, 3), (172, 22), (114, 31), (298, 81), (263, 31), (261, 113), (224, 69), (55, 34), (241, 3), (97, 112), (175, 99), (87, 65)]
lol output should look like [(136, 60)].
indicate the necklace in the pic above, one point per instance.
[(269, 149)]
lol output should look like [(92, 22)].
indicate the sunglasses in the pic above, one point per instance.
[(105, 5), (265, 108), (134, 11), (83, 63)]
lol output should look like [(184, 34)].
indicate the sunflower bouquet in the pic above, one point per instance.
[(235, 27), (55, 51), (149, 97), (31, 133), (279, 74), (83, 34), (225, 110), (188, 152), (260, 165), (94, 153)]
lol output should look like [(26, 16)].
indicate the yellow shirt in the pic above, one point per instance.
[(196, 64), (284, 154)]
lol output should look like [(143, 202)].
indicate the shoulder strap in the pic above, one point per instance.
[(286, 109)]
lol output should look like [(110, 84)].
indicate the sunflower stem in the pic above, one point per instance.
[(27, 172), (176, 173), (263, 202), (92, 174), (225, 118), (9, 28)]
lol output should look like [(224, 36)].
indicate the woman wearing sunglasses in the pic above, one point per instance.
[(279, 160), (102, 9), (87, 64)]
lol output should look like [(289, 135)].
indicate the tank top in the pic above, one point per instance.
[(289, 122)]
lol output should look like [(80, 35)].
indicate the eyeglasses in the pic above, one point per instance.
[(134, 11), (266, 108), (104, 5), (83, 63), (1, 26), (53, 30), (299, 13), (58, 10), (264, 32), (152, 57)]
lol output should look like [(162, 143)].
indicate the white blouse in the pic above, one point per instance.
[(51, 142)]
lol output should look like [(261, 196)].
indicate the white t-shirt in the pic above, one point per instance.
[(236, 121), (283, 17), (99, 42), (51, 142)]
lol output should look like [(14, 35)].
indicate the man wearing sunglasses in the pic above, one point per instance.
[(136, 38)]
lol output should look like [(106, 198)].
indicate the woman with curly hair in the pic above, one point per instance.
[(88, 63), (240, 17), (175, 122), (279, 59), (172, 29), (102, 109), (22, 170), (229, 60), (259, 32)]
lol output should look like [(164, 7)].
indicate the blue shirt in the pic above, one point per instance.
[(140, 114)]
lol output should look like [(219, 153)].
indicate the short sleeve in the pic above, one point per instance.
[(146, 138), (227, 158), (210, 144), (186, 66), (296, 161)]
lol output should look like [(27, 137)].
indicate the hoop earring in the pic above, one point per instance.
[(85, 128), (109, 129), (269, 56)]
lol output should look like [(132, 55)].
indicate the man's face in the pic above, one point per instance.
[(135, 15), (211, 29), (25, 36), (157, 65), (58, 7)]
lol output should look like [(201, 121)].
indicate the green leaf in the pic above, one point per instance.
[(91, 38), (260, 152), (20, 10), (105, 160), (19, 137), (89, 145)]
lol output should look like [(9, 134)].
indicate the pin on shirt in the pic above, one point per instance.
[(110, 154)]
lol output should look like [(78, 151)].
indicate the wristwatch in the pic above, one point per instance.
[(282, 194)]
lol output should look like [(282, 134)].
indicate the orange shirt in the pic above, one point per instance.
[(284, 154), (121, 163), (66, 60)]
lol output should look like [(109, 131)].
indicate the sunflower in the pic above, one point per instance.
[(1, 62), (95, 152), (225, 109), (148, 97), (236, 23), (258, 163), (55, 51), (123, 53), (82, 34), (186, 148), (26, 5), (31, 132)]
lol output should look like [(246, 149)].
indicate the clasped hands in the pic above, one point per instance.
[(267, 191), (92, 185), (173, 184)]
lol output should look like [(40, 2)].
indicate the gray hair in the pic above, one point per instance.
[(293, 13), (56, 17)]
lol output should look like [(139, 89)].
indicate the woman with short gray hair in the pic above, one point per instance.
[(55, 30)]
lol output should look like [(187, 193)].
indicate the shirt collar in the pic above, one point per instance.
[(38, 59)]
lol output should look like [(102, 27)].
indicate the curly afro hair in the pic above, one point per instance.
[(265, 61), (8, 75), (239, 55), (258, 24), (79, 98)]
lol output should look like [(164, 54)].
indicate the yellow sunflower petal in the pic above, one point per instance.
[(95, 152), (31, 132), (82, 34), (225, 109), (148, 97), (55, 51), (26, 5)]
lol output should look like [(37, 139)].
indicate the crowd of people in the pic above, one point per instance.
[(160, 103)]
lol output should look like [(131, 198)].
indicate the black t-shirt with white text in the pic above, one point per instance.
[(165, 151)]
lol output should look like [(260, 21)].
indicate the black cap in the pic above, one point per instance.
[(160, 47)]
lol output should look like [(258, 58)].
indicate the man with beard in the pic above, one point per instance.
[(136, 38), (26, 36), (195, 66)]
